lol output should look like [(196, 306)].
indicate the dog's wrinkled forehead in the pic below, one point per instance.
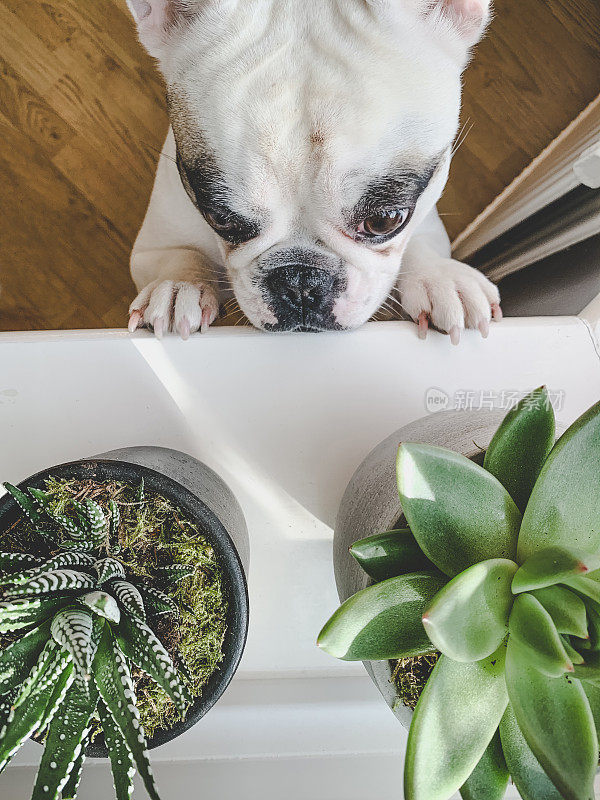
[(306, 105)]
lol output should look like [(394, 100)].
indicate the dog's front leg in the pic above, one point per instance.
[(435, 288), (175, 263)]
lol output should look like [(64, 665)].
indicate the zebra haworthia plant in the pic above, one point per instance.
[(78, 623), (499, 572)]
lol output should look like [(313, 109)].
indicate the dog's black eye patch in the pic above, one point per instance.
[(399, 190), (205, 187)]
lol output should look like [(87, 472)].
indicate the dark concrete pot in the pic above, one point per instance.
[(371, 505), (205, 497)]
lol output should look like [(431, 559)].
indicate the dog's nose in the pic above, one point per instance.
[(303, 291)]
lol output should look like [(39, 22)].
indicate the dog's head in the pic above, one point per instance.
[(313, 136)]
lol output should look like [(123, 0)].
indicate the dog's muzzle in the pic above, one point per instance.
[(301, 295)]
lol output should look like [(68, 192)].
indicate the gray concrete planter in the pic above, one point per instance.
[(371, 505), (207, 499)]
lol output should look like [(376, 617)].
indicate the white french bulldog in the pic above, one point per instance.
[(310, 141)]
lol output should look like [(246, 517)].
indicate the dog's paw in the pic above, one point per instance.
[(451, 296), (177, 306)]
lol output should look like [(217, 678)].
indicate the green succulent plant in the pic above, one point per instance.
[(499, 572), (78, 623)]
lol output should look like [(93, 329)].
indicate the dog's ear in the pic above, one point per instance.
[(156, 19), (466, 19), (469, 18)]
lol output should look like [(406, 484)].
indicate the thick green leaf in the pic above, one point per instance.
[(574, 655), (590, 669), (45, 670), (468, 619), (489, 779), (555, 718), (586, 587), (534, 633), (146, 651), (28, 717), (592, 692), (459, 513), (109, 568), (383, 620), (18, 614), (69, 791), (566, 609), (121, 760), (521, 445), (60, 561), (60, 687), (129, 598), (114, 682), (172, 574), (454, 721), (26, 504), (18, 659), (157, 602), (551, 566), (60, 580), (593, 620), (563, 510), (525, 770), (72, 629), (15, 562), (64, 742), (389, 554), (103, 604)]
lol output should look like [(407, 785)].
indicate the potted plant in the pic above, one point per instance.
[(123, 607), (497, 571)]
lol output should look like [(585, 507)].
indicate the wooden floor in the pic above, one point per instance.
[(82, 115)]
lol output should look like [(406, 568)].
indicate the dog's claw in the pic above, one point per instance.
[(496, 312), (423, 325), (207, 319), (484, 328), (455, 335), (159, 327), (184, 329), (134, 321)]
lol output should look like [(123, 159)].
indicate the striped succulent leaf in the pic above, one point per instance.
[(27, 718), (75, 529), (17, 614), (15, 562), (121, 760), (26, 503), (98, 524), (64, 742), (113, 679), (109, 568), (72, 630), (114, 520), (157, 602), (73, 558), (129, 598), (60, 580), (174, 573), (19, 658), (103, 604), (69, 790), (45, 670), (147, 652), (61, 685), (41, 499)]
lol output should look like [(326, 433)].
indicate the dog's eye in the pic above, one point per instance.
[(220, 220), (384, 222), (230, 226)]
